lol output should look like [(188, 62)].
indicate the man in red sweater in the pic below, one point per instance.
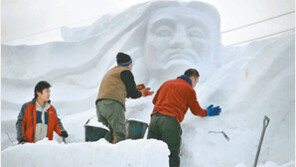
[(171, 103)]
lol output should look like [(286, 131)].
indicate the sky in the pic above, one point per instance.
[(36, 22)]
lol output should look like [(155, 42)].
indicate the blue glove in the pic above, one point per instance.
[(213, 111)]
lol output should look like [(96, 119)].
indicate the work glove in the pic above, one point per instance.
[(23, 141), (64, 134), (140, 87), (145, 92), (212, 111)]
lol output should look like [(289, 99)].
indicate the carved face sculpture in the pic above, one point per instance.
[(164, 39), (177, 38)]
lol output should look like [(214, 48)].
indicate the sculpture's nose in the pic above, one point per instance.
[(180, 38)]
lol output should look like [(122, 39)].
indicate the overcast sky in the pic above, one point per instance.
[(38, 21)]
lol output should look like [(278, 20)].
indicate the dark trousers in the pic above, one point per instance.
[(167, 129), (111, 114)]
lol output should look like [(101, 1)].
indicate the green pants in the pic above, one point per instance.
[(167, 129), (111, 114)]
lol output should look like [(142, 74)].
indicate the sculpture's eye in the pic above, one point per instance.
[(164, 32), (196, 33)]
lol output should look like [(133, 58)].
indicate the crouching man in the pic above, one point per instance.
[(38, 118), (171, 103), (117, 85)]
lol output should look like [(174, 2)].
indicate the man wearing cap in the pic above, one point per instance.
[(118, 84)]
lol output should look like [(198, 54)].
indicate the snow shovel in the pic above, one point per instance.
[(265, 124)]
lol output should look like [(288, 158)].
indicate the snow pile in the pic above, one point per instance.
[(260, 83), (101, 153)]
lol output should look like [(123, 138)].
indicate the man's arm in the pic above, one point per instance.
[(20, 124), (58, 124), (129, 82), (194, 105)]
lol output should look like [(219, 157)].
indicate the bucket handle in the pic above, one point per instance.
[(126, 120), (89, 120)]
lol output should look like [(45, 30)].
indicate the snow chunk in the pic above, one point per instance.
[(136, 119), (95, 123)]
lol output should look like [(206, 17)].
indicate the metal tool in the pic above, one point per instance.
[(224, 134), (265, 124)]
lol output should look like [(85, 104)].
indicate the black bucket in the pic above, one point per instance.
[(93, 133), (135, 129)]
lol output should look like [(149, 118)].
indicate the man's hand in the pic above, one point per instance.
[(64, 134), (23, 141), (213, 111), (140, 87), (145, 92)]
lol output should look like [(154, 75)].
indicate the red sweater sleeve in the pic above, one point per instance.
[(194, 105)]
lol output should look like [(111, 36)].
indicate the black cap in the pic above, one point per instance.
[(123, 59)]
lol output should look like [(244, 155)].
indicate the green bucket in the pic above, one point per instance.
[(93, 133), (135, 129)]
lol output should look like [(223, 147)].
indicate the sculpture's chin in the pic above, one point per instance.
[(172, 69)]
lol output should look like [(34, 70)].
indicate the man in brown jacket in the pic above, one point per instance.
[(118, 84)]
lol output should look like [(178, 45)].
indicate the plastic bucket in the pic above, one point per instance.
[(135, 129), (93, 133)]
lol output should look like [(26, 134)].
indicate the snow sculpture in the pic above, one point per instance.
[(163, 37)]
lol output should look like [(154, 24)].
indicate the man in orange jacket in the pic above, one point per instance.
[(171, 103), (38, 118)]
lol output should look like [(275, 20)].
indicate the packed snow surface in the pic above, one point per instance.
[(101, 153)]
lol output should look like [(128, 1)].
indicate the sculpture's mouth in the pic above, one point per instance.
[(180, 55), (178, 60)]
